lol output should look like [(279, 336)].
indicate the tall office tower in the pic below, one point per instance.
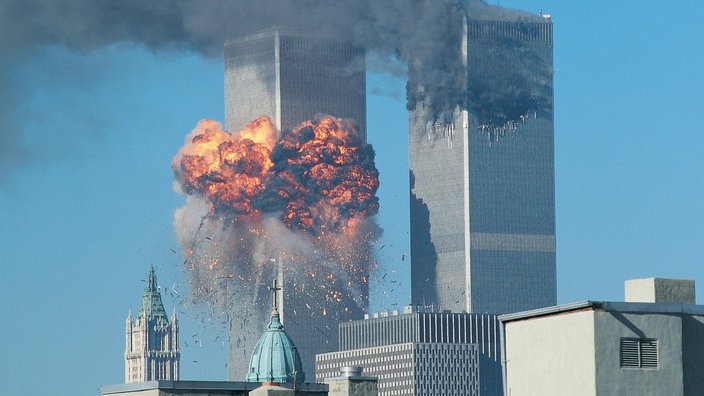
[(151, 352), (290, 77), (482, 178), (421, 352)]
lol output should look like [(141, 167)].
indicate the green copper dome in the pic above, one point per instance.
[(275, 358)]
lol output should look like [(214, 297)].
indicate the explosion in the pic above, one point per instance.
[(298, 207), (225, 169), (324, 178)]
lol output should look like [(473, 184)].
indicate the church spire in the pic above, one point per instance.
[(151, 299)]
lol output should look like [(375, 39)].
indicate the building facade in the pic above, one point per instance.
[(421, 352), (290, 77), (593, 348), (151, 351), (482, 177)]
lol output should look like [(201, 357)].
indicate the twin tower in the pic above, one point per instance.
[(482, 198)]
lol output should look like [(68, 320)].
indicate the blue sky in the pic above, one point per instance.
[(89, 206)]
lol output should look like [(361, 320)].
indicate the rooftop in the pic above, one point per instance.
[(227, 388), (609, 306)]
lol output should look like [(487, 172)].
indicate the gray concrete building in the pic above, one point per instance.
[(643, 346), (421, 352), (482, 176), (290, 77), (351, 382)]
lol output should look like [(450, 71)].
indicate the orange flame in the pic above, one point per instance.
[(226, 168), (320, 174), (327, 176)]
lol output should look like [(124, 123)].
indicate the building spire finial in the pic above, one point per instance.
[(151, 281)]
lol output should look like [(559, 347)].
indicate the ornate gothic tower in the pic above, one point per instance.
[(152, 351)]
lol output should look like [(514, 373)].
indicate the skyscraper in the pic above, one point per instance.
[(151, 351), (421, 352), (290, 77), (482, 177)]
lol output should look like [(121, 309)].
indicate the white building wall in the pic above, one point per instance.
[(551, 356)]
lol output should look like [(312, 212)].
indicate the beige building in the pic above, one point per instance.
[(652, 344)]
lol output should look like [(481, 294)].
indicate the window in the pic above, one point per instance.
[(639, 353)]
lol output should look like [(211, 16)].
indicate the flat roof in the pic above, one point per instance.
[(610, 306), (201, 386)]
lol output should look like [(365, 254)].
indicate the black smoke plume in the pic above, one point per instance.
[(425, 33)]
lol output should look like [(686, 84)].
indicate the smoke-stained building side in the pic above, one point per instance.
[(291, 77), (482, 184)]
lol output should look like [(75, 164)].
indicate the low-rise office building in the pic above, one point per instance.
[(422, 351)]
